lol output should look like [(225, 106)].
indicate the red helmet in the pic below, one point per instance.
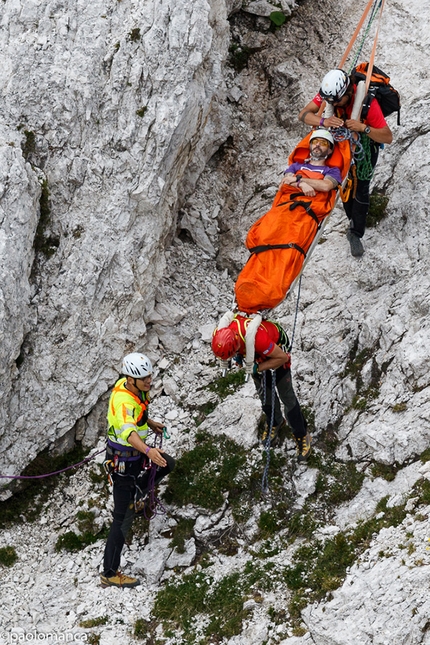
[(225, 343)]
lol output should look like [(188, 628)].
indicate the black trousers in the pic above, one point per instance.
[(124, 489), (356, 208), (283, 391)]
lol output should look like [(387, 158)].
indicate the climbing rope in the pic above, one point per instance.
[(56, 472), (266, 443), (365, 169), (153, 505), (290, 347), (376, 7), (373, 6)]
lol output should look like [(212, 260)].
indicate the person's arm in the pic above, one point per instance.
[(154, 454), (309, 115), (323, 185), (289, 179), (380, 135), (276, 359)]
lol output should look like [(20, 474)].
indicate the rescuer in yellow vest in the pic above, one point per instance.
[(127, 454)]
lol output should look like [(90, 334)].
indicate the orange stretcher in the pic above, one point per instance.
[(280, 240)]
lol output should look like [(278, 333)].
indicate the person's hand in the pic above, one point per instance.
[(307, 190), (156, 455), (288, 179), (238, 359), (156, 426), (333, 122), (354, 125)]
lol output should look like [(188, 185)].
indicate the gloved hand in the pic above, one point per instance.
[(238, 359), (255, 369)]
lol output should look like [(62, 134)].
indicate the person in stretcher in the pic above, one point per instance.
[(313, 174), (279, 241)]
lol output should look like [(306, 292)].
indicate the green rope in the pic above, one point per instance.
[(365, 169), (377, 5)]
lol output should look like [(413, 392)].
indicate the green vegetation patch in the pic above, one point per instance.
[(278, 18), (89, 533), (29, 146), (182, 532), (353, 369), (197, 594), (337, 482), (43, 242), (320, 566), (204, 474), (134, 35), (239, 56), (228, 384), (94, 622), (8, 556), (400, 407), (425, 456), (386, 471), (29, 495), (377, 208), (422, 490)]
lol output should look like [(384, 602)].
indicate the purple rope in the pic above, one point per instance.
[(56, 472), (154, 506)]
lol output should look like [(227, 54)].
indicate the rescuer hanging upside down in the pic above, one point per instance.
[(272, 368)]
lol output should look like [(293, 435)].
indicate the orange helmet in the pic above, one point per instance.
[(225, 343)]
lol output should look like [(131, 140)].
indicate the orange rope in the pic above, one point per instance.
[(355, 34), (372, 55)]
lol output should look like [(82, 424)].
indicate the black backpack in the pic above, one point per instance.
[(379, 89)]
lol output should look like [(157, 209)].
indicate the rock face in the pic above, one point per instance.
[(116, 108), (129, 126)]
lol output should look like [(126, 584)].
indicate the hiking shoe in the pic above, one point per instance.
[(275, 438), (303, 447), (265, 433), (357, 248), (119, 580)]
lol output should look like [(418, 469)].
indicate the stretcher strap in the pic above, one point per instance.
[(307, 207), (271, 247)]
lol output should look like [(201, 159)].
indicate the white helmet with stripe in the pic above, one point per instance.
[(334, 85), (136, 365)]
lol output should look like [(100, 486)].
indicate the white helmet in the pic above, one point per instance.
[(322, 134), (334, 85), (136, 365)]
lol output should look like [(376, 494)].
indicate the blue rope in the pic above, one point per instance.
[(343, 134)]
